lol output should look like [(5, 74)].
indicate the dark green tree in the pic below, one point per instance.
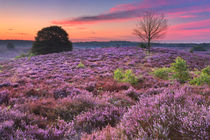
[(51, 39)]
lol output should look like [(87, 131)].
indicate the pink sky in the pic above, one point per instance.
[(189, 20)]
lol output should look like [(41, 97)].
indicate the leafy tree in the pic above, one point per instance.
[(51, 39), (150, 27)]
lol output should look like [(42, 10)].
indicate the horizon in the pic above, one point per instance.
[(138, 41), (97, 20)]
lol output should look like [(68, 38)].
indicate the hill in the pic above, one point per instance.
[(73, 95)]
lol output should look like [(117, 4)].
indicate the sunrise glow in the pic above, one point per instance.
[(97, 20)]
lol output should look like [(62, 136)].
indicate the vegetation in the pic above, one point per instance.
[(29, 55), (180, 71), (162, 73), (202, 78), (60, 101), (150, 27), (198, 48), (1, 66), (125, 76), (143, 45), (81, 65), (51, 39), (10, 46)]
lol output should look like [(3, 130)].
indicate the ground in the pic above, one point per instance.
[(51, 97)]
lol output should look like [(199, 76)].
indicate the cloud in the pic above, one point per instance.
[(82, 28), (23, 34), (121, 15), (175, 9), (196, 25), (11, 29)]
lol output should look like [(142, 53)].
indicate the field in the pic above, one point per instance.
[(23, 47), (73, 95)]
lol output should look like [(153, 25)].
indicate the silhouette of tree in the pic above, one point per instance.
[(151, 26), (51, 39)]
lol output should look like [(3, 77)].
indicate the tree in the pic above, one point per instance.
[(10, 46), (51, 39), (151, 26)]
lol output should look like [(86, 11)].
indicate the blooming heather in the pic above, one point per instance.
[(49, 97)]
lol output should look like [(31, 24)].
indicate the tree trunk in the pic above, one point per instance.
[(149, 46)]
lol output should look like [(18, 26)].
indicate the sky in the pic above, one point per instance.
[(104, 20)]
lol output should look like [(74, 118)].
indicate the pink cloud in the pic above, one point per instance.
[(195, 31), (195, 25)]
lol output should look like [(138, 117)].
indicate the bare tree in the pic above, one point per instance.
[(151, 26)]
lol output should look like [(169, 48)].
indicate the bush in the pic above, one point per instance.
[(10, 46), (143, 45), (191, 50), (167, 116), (203, 78), (198, 48), (206, 70), (81, 65), (162, 73), (29, 55), (180, 71), (51, 39), (99, 118), (125, 76)]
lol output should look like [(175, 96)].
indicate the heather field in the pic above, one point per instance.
[(75, 95)]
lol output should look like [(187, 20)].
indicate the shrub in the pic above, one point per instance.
[(198, 48), (1, 66), (81, 65), (10, 46), (4, 97), (162, 73), (167, 116), (107, 133), (206, 70), (125, 76), (51, 39), (29, 55), (143, 45), (180, 71), (99, 118), (203, 78), (191, 50), (118, 75), (65, 108)]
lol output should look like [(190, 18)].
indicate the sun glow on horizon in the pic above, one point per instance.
[(188, 20)]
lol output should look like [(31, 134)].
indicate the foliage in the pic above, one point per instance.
[(10, 46), (48, 98), (51, 39), (203, 78), (206, 70), (125, 76), (191, 50), (162, 73), (143, 45), (167, 116), (29, 55), (199, 48), (1, 66), (180, 70), (81, 65), (99, 118)]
